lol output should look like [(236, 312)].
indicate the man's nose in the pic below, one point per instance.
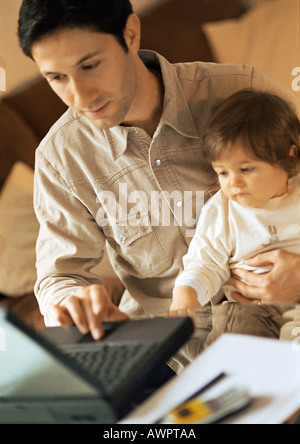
[(83, 93)]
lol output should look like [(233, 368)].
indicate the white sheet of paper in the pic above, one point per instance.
[(269, 369)]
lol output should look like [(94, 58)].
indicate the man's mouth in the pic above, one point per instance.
[(97, 112)]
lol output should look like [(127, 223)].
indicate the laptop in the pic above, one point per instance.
[(52, 376)]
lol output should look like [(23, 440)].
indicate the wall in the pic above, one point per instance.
[(18, 67)]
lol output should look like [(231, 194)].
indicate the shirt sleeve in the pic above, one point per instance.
[(262, 82), (69, 244), (206, 265)]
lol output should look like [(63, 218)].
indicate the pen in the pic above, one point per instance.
[(206, 386)]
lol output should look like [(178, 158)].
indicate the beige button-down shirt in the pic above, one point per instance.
[(142, 195)]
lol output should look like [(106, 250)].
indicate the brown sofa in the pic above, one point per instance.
[(26, 114)]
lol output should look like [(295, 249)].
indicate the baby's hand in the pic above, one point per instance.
[(184, 297)]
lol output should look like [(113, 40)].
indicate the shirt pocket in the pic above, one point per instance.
[(136, 245)]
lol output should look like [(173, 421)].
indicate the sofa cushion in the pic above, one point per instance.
[(18, 232), (266, 37)]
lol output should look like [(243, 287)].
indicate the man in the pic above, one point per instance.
[(130, 143)]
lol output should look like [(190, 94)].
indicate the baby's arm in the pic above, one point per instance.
[(184, 297), (206, 264)]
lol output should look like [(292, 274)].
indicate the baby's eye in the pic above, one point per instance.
[(247, 169), (223, 173)]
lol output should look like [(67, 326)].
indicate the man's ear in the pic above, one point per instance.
[(132, 33), (294, 152)]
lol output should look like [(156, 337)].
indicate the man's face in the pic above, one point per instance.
[(90, 72)]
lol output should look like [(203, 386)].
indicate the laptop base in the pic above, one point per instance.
[(73, 411)]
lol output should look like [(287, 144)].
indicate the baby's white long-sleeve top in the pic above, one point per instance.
[(228, 233)]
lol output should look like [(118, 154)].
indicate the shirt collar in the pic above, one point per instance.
[(176, 111), (116, 138)]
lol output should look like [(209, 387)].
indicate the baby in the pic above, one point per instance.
[(253, 143)]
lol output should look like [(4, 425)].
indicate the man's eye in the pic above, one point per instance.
[(57, 78), (90, 66)]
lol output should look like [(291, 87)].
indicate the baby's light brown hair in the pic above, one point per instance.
[(266, 125)]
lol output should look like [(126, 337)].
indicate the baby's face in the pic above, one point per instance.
[(248, 180)]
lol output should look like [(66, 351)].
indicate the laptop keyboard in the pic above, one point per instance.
[(112, 363)]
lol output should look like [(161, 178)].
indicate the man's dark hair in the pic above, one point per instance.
[(39, 18)]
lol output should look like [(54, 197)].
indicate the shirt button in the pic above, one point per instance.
[(158, 162), (135, 131), (123, 237), (179, 203)]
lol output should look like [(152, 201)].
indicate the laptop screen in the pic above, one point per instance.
[(30, 371)]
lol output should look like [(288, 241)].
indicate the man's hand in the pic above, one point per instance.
[(87, 309), (281, 285)]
